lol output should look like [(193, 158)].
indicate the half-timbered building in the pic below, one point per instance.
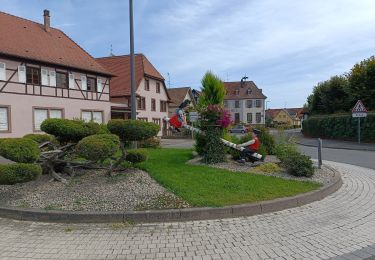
[(45, 74)]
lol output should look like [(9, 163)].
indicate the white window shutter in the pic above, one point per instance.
[(83, 82), (98, 117), (86, 116), (71, 80), (44, 77), (22, 73), (55, 113), (3, 71), (4, 119), (99, 85), (39, 116), (52, 78)]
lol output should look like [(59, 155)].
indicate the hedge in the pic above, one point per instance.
[(339, 127), (21, 150), (40, 138), (18, 172)]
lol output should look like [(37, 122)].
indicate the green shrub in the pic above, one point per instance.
[(267, 141), (215, 150), (103, 129), (298, 164), (153, 142), (338, 126), (18, 172), (66, 130), (200, 144), (21, 150), (267, 168), (136, 156), (98, 147), (40, 138), (132, 130)]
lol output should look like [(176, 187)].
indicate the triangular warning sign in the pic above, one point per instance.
[(359, 107)]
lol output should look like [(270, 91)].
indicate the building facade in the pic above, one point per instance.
[(245, 102), (44, 74), (178, 95), (151, 92)]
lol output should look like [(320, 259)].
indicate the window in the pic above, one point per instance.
[(250, 117), (237, 92), (153, 104), (258, 118), (33, 76), (157, 87), (237, 104), (147, 84), (163, 106), (225, 103), (91, 115), (4, 119), (145, 119), (41, 114), (91, 84), (2, 71), (156, 121), (248, 92), (61, 80), (141, 103), (258, 103), (249, 103)]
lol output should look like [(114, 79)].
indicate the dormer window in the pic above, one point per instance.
[(248, 92), (237, 92)]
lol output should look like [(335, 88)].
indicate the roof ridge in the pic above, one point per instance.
[(120, 56), (27, 20)]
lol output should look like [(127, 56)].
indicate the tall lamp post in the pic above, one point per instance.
[(132, 61)]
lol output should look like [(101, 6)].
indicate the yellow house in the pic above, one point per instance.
[(288, 116)]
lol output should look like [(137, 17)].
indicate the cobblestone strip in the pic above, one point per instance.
[(341, 225)]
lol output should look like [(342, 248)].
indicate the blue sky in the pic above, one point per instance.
[(286, 47)]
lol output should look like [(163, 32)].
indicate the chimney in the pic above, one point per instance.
[(46, 20)]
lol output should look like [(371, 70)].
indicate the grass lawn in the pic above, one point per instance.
[(206, 186)]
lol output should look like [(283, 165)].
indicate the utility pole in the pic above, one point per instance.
[(132, 65)]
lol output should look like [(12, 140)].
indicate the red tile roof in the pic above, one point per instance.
[(27, 39), (232, 87), (293, 112), (178, 95), (120, 66)]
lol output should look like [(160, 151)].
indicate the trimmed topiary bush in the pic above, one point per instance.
[(137, 156), (132, 130), (98, 147), (21, 150), (18, 172), (298, 164), (40, 138), (153, 142), (66, 130)]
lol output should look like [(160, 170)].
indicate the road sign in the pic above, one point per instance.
[(359, 114), (359, 111), (193, 116)]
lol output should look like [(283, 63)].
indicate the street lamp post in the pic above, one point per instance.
[(132, 61)]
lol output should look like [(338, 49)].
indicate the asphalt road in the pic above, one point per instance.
[(354, 157)]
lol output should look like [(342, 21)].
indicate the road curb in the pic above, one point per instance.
[(173, 214), (339, 148)]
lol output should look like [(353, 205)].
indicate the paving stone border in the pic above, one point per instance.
[(173, 214)]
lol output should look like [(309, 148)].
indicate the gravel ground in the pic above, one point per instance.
[(323, 176), (92, 191)]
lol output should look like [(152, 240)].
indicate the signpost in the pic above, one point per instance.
[(359, 111), (193, 117)]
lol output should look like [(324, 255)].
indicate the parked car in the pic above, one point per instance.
[(238, 129)]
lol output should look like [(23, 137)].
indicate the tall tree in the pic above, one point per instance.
[(362, 82)]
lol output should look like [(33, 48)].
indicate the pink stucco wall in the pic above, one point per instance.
[(22, 98)]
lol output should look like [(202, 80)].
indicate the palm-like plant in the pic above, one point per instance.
[(213, 91)]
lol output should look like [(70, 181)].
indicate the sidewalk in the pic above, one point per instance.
[(335, 144)]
